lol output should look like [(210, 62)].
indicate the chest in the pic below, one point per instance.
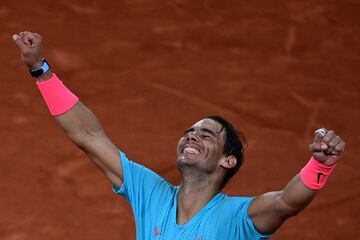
[(206, 226)]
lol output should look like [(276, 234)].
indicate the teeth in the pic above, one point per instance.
[(191, 150)]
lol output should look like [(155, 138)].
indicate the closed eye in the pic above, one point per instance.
[(204, 133), (206, 136)]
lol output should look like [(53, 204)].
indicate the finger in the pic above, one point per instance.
[(27, 37), (319, 134), (31, 36), (22, 35), (334, 141), (318, 137), (31, 39), (37, 36), (331, 151), (340, 147), (36, 39), (317, 147), (328, 136), (17, 39)]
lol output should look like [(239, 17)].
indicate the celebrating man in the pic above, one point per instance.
[(208, 154)]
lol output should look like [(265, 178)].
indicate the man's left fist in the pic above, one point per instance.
[(327, 147)]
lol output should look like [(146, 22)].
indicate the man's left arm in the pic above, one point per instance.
[(270, 210)]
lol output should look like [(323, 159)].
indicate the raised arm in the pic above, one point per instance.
[(270, 210), (78, 122)]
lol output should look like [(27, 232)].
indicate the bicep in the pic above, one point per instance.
[(264, 212)]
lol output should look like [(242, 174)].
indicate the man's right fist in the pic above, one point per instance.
[(30, 46)]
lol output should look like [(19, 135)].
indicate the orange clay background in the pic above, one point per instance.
[(149, 69)]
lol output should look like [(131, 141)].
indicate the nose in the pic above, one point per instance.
[(192, 136)]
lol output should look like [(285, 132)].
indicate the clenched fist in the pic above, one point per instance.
[(30, 46), (327, 147)]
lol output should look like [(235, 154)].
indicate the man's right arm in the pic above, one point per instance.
[(79, 123), (85, 131)]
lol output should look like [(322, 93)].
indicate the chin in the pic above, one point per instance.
[(183, 162)]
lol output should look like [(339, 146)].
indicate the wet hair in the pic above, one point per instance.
[(234, 145)]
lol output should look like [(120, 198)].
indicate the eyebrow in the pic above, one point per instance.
[(189, 130), (203, 130)]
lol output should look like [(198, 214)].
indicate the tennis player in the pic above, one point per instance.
[(209, 153)]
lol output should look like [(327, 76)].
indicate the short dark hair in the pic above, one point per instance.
[(234, 145)]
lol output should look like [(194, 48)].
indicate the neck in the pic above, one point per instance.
[(194, 194)]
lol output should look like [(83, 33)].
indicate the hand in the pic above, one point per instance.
[(322, 143), (30, 46)]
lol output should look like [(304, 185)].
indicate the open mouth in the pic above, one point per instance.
[(191, 150)]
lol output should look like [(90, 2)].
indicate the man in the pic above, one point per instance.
[(208, 154)]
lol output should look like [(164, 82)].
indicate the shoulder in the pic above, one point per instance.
[(234, 204), (139, 178), (237, 201)]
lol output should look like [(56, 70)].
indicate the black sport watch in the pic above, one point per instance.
[(39, 71)]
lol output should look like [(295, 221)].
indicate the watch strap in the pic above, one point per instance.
[(39, 71)]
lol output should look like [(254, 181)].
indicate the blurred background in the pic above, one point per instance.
[(150, 69)]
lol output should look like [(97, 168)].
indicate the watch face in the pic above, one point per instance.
[(44, 68)]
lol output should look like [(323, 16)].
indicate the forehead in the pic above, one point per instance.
[(209, 124)]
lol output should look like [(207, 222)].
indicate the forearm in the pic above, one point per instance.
[(77, 121), (293, 198), (268, 211), (303, 187), (80, 124)]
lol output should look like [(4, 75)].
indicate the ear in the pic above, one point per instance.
[(228, 162)]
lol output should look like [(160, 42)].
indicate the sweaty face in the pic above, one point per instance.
[(201, 146)]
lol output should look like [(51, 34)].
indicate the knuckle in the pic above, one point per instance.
[(338, 148), (313, 146), (332, 132), (334, 141)]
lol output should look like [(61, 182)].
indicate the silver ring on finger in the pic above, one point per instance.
[(321, 131)]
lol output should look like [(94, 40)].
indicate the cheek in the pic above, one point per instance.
[(178, 144), (211, 151), (214, 151)]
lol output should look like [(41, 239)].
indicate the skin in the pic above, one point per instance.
[(202, 169), (201, 172)]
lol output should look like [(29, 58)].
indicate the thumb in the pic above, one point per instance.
[(17, 39)]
